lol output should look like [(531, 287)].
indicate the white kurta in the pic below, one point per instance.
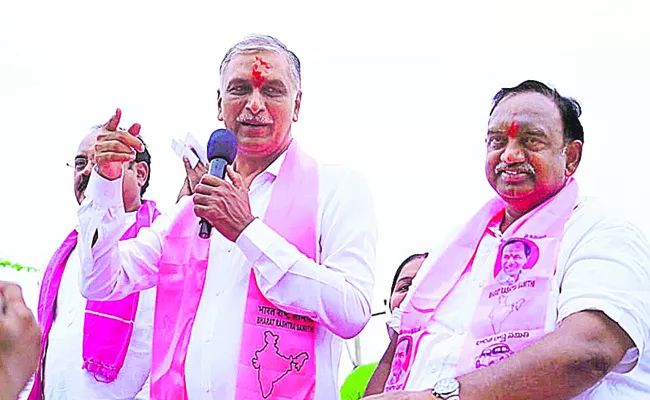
[(603, 264), (64, 377), (335, 290)]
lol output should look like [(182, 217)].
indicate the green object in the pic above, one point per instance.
[(355, 384), (17, 267)]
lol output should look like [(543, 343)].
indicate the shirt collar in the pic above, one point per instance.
[(274, 168)]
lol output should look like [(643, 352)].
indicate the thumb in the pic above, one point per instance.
[(188, 166), (114, 122), (236, 179)]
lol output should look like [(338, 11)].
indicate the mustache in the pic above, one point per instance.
[(83, 183), (249, 117), (523, 168)]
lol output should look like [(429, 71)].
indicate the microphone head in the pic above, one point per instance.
[(222, 144)]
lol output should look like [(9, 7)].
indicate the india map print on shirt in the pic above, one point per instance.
[(502, 310), (272, 365)]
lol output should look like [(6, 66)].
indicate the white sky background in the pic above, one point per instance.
[(401, 92)]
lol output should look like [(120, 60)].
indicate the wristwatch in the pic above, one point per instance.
[(446, 389)]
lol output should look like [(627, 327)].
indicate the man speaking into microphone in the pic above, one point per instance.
[(259, 309)]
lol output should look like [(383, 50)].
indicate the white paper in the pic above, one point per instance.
[(184, 148)]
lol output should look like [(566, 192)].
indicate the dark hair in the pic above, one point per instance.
[(512, 241), (144, 156), (570, 109), (401, 267)]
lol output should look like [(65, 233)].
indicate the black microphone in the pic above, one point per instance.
[(222, 149)]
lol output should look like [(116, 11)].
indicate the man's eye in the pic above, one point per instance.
[(272, 91), (238, 89), (80, 163), (496, 142), (531, 141)]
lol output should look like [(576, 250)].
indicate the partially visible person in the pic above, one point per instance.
[(96, 349), (20, 337), (578, 326), (355, 384)]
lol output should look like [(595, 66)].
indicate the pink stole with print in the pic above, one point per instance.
[(510, 314), (277, 359), (108, 325)]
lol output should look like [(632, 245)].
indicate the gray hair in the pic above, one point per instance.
[(258, 42)]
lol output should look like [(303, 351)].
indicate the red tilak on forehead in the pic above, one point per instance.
[(262, 62), (513, 129), (256, 73)]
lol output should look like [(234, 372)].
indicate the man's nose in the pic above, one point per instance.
[(255, 103), (513, 152)]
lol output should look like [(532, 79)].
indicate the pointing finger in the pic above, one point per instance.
[(114, 122)]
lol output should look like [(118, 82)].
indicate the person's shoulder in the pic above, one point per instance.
[(599, 231), (337, 180), (592, 217), (341, 172)]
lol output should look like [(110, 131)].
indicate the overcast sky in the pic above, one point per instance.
[(400, 92)]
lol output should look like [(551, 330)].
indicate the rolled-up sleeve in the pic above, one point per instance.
[(112, 269), (336, 291), (609, 271)]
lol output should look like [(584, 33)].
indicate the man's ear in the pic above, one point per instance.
[(219, 106), (296, 106), (573, 153), (141, 173)]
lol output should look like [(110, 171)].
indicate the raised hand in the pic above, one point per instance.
[(115, 147)]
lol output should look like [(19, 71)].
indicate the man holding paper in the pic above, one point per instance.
[(195, 159), (575, 324), (259, 310)]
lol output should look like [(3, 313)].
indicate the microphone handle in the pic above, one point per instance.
[(217, 168)]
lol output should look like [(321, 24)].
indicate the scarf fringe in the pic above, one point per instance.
[(101, 372)]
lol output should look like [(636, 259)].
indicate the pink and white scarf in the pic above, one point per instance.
[(108, 325), (277, 359), (511, 313)]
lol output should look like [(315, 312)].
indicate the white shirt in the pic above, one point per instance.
[(64, 377), (335, 290), (603, 264)]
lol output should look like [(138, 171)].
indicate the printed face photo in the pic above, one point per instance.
[(401, 360), (515, 256)]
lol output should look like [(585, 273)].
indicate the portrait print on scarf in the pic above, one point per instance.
[(513, 307)]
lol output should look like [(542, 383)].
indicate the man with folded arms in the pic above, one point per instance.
[(258, 310), (576, 324)]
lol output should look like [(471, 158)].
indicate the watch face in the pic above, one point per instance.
[(446, 386)]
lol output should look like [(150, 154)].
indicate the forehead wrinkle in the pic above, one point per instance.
[(268, 72)]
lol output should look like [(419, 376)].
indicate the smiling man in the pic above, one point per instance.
[(96, 349), (577, 326), (259, 310)]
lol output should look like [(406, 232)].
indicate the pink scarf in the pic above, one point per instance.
[(277, 358), (511, 312), (108, 325)]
